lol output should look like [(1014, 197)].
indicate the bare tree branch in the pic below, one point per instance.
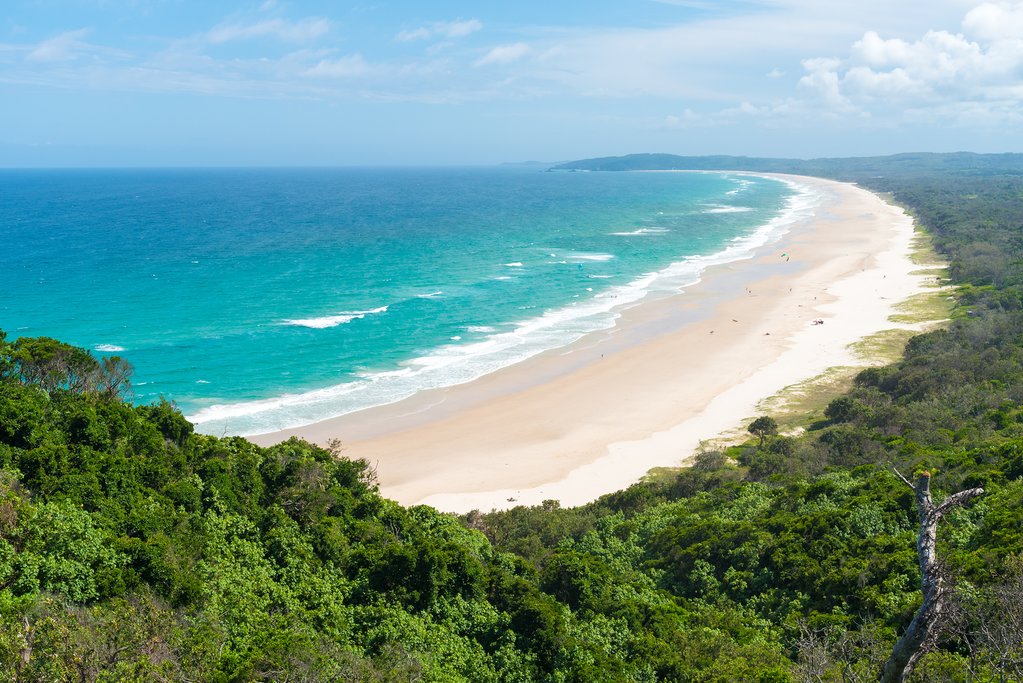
[(931, 617), (907, 482), (957, 499)]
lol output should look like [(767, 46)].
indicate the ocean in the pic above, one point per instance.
[(264, 299)]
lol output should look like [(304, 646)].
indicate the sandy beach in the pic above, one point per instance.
[(592, 418)]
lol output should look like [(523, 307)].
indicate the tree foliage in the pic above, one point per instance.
[(132, 548), (763, 427)]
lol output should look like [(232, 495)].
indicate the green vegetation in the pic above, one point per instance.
[(763, 427), (132, 548)]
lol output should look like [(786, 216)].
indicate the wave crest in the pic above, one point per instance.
[(328, 321)]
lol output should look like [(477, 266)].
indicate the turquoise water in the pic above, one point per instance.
[(264, 299)]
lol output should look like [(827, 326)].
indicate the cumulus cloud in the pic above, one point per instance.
[(940, 70), (995, 21), (823, 79), (504, 54), (441, 29)]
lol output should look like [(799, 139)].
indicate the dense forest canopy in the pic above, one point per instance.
[(132, 548)]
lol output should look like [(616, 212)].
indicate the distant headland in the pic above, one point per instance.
[(848, 168)]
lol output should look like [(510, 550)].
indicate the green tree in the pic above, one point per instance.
[(63, 552), (763, 427), (52, 365), (6, 362), (114, 377)]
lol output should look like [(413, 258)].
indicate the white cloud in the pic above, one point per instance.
[(995, 21), (889, 85), (457, 29), (668, 64), (824, 81), (351, 66), (686, 120), (504, 54), (748, 109), (716, 59), (940, 71), (292, 32), (65, 47), (877, 52), (414, 34), (441, 29)]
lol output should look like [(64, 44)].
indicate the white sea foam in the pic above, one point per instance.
[(328, 321), (585, 256), (641, 231), (464, 361), (720, 208), (322, 323), (480, 329), (430, 295), (742, 185), (514, 264), (108, 348)]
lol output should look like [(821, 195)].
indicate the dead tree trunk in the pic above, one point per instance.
[(927, 621)]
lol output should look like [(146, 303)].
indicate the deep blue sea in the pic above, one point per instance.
[(264, 299)]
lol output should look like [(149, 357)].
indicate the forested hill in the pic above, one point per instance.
[(132, 548), (902, 165)]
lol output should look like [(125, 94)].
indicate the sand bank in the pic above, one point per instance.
[(594, 417)]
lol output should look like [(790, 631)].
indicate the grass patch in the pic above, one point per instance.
[(922, 252), (884, 347), (661, 475), (923, 308), (937, 302), (803, 403)]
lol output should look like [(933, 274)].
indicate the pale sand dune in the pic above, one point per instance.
[(576, 423)]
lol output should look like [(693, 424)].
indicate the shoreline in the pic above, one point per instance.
[(594, 417)]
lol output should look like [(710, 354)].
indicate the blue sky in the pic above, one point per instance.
[(311, 82)]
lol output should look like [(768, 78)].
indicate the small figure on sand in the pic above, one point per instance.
[(818, 321)]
